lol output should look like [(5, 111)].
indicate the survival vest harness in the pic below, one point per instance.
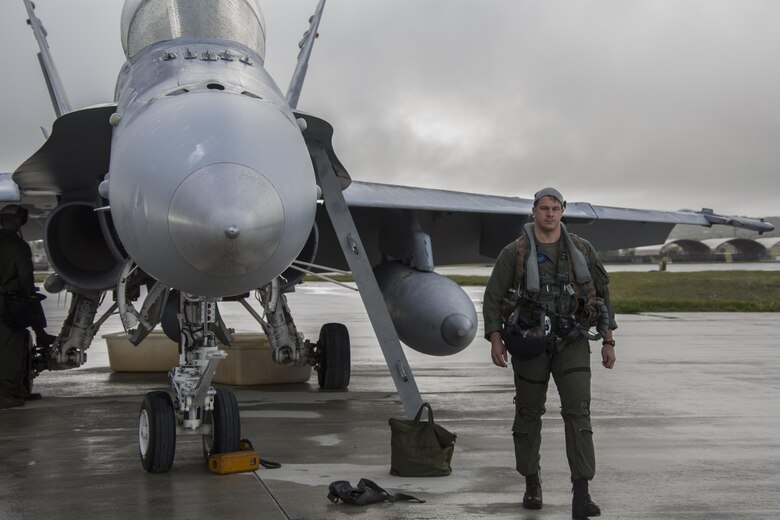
[(568, 305)]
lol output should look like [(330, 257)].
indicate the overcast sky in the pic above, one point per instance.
[(658, 104)]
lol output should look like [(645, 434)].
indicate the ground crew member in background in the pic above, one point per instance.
[(546, 289), (16, 276)]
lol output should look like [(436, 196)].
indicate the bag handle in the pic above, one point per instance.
[(419, 413)]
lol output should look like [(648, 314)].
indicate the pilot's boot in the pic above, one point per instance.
[(532, 499), (581, 505)]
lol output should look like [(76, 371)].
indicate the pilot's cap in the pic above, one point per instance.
[(549, 192), (16, 212)]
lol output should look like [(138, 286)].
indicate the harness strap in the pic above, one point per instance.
[(580, 264), (533, 381), (532, 284), (576, 369)]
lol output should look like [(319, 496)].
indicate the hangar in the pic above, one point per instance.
[(732, 249)]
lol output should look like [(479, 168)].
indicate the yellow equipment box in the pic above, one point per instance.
[(249, 360), (234, 461)]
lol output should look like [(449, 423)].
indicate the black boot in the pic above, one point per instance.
[(532, 499), (581, 505)]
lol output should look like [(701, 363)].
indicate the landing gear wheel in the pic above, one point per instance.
[(333, 357), (225, 425), (157, 432)]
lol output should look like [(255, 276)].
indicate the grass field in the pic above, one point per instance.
[(704, 291)]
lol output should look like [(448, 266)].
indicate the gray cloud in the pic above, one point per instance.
[(657, 104)]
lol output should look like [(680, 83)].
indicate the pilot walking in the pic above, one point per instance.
[(545, 292), (16, 276)]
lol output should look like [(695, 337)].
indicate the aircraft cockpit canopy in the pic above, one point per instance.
[(145, 22)]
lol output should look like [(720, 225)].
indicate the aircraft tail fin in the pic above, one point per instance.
[(59, 98), (306, 45)]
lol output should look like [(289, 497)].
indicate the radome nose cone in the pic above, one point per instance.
[(458, 330), (226, 219)]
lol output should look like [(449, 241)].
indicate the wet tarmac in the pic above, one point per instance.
[(686, 427)]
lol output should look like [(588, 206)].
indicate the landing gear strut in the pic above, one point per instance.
[(330, 356), (196, 408)]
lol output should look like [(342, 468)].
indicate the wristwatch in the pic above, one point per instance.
[(608, 342)]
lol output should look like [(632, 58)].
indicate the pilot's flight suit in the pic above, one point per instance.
[(568, 360), (16, 275)]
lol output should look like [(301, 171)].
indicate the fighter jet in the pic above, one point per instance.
[(202, 183)]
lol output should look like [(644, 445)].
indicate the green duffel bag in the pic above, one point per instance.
[(420, 448)]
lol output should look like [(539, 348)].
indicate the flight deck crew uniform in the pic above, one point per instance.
[(16, 275), (568, 360)]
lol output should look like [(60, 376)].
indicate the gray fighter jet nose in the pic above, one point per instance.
[(221, 208), (457, 330), (244, 224)]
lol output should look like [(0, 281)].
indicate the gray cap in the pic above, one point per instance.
[(549, 192), (15, 211)]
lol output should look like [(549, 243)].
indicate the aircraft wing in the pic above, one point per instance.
[(473, 228)]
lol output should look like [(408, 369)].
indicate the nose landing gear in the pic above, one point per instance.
[(225, 426), (197, 408), (157, 432)]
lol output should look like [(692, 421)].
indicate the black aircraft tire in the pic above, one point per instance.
[(157, 432), (169, 321), (226, 425), (334, 359)]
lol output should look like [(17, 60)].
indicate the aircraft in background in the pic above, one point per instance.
[(202, 182)]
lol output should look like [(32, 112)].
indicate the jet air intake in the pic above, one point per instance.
[(77, 249)]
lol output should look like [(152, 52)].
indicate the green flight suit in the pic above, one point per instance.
[(16, 275), (567, 360)]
